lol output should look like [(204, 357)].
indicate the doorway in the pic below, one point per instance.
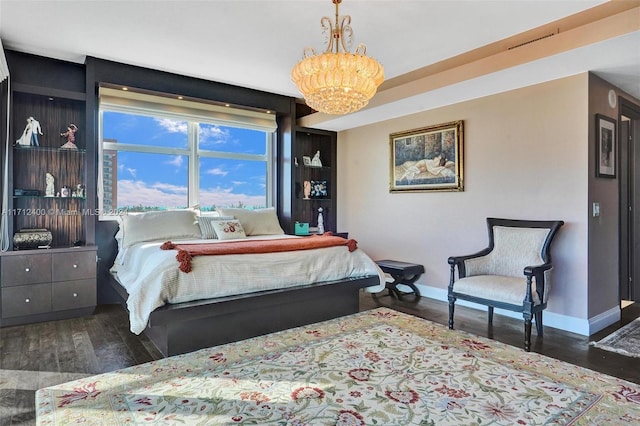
[(629, 201)]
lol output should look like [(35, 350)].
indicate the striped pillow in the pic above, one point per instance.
[(206, 225)]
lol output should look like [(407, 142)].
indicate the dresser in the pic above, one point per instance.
[(45, 285)]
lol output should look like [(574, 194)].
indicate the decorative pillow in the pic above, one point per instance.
[(256, 222), (204, 222), (161, 225), (228, 229)]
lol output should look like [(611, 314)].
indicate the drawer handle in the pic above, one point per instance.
[(75, 266), (26, 269), (75, 294), (27, 300)]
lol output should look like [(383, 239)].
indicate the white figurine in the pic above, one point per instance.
[(320, 222), (50, 189), (30, 135), (315, 161), (307, 189)]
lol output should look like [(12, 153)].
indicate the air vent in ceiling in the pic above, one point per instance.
[(534, 40)]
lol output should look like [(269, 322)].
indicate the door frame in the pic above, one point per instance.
[(629, 143)]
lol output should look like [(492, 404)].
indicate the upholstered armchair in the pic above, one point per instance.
[(511, 273)]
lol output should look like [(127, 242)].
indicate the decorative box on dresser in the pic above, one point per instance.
[(54, 278)]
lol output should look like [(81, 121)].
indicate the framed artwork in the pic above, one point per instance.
[(605, 147), (306, 160), (427, 159)]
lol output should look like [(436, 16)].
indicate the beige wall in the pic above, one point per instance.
[(525, 156)]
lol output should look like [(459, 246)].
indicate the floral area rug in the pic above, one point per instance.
[(624, 341), (377, 367)]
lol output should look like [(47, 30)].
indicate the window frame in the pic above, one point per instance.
[(193, 151)]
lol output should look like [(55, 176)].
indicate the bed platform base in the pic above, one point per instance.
[(185, 327)]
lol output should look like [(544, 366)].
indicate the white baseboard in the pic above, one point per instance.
[(582, 326), (605, 319)]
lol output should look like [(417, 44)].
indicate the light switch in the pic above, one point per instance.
[(596, 209)]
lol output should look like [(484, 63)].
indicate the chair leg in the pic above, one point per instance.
[(527, 334), (490, 314), (539, 323), (452, 302)]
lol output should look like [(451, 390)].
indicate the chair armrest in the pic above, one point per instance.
[(536, 272), (537, 269), (457, 260)]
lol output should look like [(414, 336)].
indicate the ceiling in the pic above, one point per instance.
[(256, 43)]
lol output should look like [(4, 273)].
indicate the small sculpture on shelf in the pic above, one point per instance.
[(315, 161), (307, 189), (320, 222), (50, 186), (71, 138), (79, 192), (30, 135)]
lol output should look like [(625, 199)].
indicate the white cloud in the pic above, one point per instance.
[(216, 172), (134, 193), (132, 171), (212, 134), (225, 197), (177, 161), (169, 188), (172, 126)]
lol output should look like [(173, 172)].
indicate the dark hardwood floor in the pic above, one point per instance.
[(39, 355)]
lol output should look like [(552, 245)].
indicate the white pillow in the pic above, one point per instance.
[(228, 229), (206, 227), (256, 222), (161, 225)]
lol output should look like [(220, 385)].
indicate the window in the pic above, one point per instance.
[(158, 153)]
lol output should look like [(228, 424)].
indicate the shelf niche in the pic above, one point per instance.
[(55, 110), (307, 143)]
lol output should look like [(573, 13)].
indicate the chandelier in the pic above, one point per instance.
[(337, 81)]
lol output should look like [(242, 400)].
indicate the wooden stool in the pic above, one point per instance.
[(402, 273)]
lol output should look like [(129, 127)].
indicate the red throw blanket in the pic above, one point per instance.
[(187, 251)]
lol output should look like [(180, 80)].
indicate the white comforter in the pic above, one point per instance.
[(152, 278)]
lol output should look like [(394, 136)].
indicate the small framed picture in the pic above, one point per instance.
[(318, 189), (605, 147), (306, 160)]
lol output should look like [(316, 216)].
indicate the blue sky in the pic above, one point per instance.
[(161, 179)]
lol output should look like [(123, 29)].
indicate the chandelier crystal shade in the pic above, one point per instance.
[(337, 81)]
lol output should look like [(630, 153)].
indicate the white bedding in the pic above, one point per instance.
[(152, 278)]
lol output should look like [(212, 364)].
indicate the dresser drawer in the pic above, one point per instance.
[(73, 294), (25, 269), (71, 266), (24, 300)]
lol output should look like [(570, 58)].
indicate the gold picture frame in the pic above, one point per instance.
[(427, 159)]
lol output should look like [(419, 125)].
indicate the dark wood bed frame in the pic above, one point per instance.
[(185, 327)]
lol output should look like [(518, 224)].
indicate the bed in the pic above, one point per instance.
[(230, 297)]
